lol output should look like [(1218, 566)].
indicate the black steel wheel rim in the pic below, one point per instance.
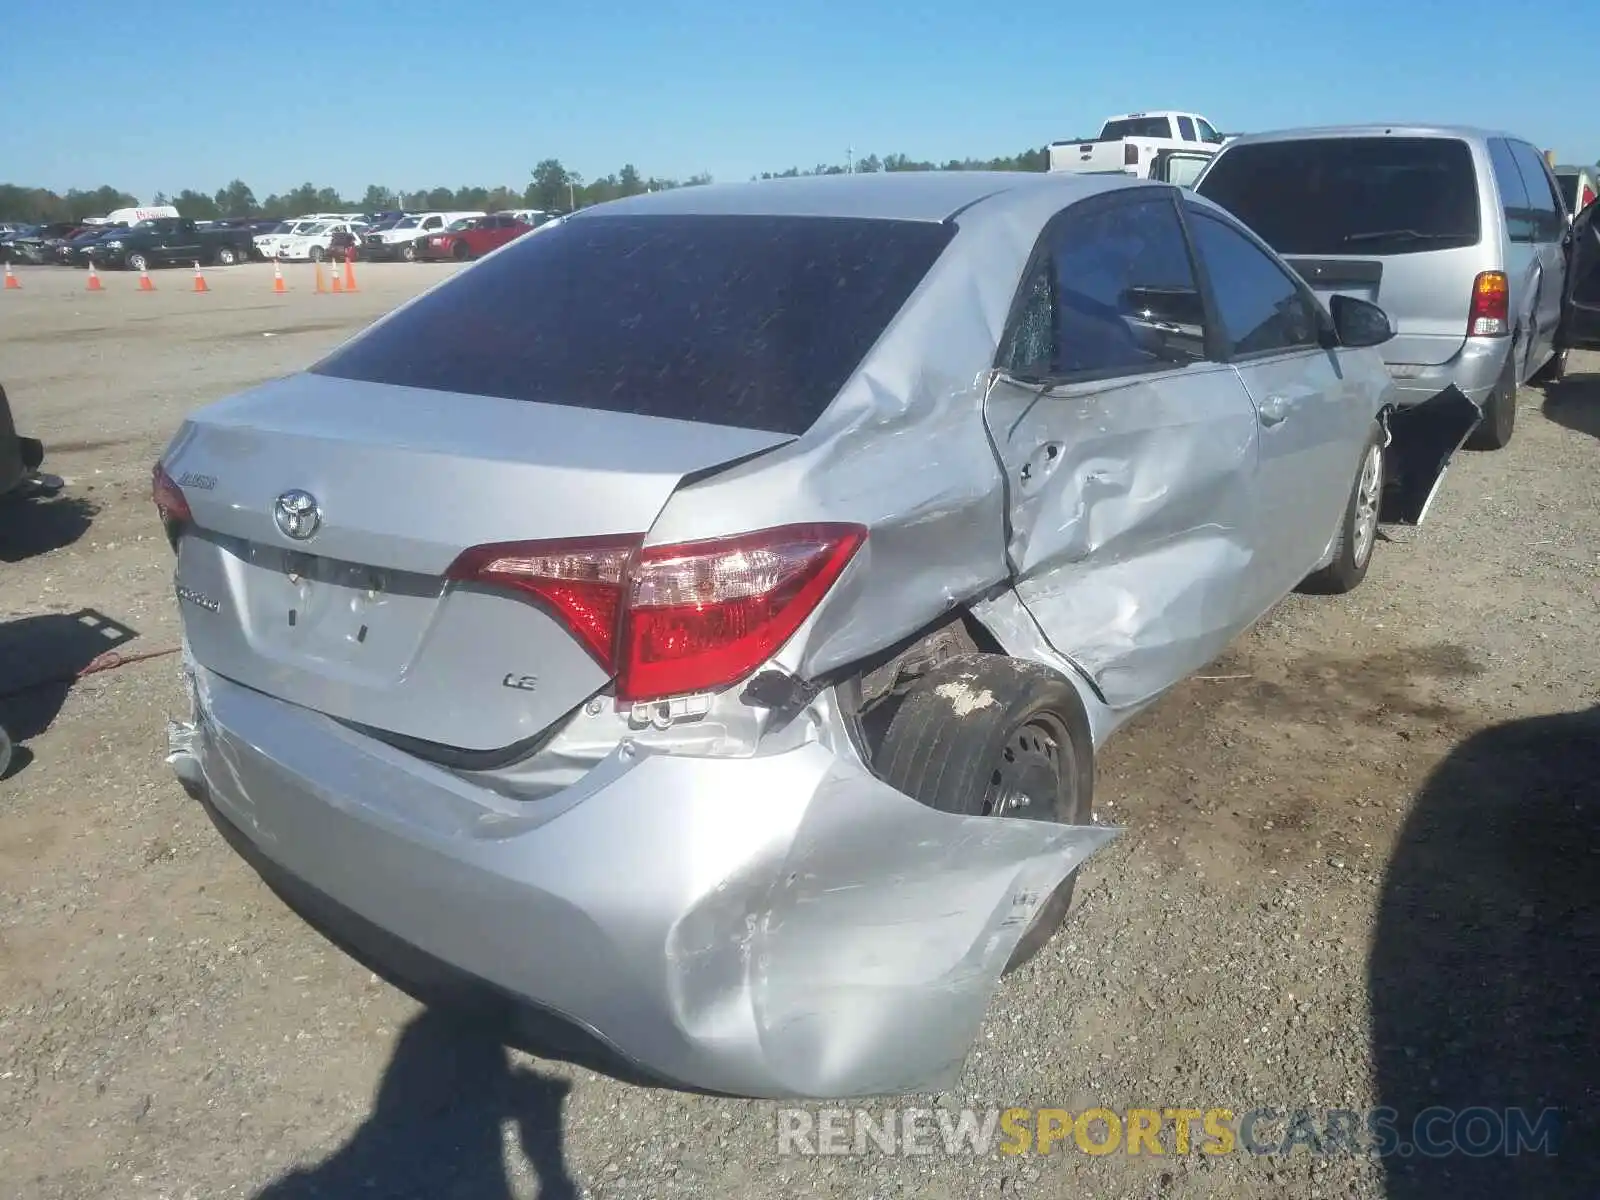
[(1027, 775)]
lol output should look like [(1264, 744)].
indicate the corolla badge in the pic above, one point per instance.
[(296, 514)]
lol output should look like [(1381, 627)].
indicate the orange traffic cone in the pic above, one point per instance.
[(278, 285), (322, 283), (199, 280), (94, 284), (350, 271), (338, 284), (144, 281), (12, 282)]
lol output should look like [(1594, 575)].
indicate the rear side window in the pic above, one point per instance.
[(1146, 127), (1113, 294), (1513, 192), (1186, 128), (1544, 204), (1353, 196), (752, 321)]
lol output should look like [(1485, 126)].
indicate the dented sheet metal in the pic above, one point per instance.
[(778, 926)]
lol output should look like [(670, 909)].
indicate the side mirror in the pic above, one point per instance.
[(1359, 322)]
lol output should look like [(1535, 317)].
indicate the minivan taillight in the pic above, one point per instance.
[(1490, 314), (677, 619)]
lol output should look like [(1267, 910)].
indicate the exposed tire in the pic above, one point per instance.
[(1499, 412), (316, 254), (409, 252), (987, 735), (460, 252), (1358, 529), (7, 749), (138, 262), (1553, 371), (226, 256)]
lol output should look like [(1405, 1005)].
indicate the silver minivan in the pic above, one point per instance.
[(1458, 233)]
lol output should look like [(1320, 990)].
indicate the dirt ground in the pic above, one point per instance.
[(1360, 868)]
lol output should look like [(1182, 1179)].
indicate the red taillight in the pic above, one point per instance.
[(581, 579), (1490, 314), (704, 615), (1130, 155), (673, 620), (170, 502)]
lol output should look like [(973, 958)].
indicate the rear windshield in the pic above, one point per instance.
[(752, 321), (1356, 196), (1146, 127)]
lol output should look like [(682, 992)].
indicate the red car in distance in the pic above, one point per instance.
[(472, 237)]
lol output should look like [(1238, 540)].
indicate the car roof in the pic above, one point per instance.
[(888, 195), (1309, 132)]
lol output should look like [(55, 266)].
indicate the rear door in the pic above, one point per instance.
[(1311, 411), (1391, 219), (1547, 214), (1130, 457), (1580, 321)]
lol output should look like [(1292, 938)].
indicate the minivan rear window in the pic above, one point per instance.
[(1351, 196), (752, 321)]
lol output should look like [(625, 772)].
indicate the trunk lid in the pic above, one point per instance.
[(357, 620)]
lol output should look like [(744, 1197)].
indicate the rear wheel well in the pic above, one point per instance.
[(871, 691)]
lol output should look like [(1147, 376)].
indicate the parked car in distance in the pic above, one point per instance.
[(168, 240), (39, 245), (75, 251), (404, 240), (1130, 143), (649, 627), (1577, 188), (314, 242), (1458, 233), (472, 237)]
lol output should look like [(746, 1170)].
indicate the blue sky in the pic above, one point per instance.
[(419, 93)]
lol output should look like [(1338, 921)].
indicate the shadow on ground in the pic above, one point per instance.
[(1485, 966), (31, 526), (436, 1129), (1575, 403), (40, 658)]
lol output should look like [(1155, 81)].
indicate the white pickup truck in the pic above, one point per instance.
[(1151, 145)]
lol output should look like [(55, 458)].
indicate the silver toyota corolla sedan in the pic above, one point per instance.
[(695, 625)]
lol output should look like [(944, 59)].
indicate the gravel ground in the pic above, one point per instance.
[(1359, 869)]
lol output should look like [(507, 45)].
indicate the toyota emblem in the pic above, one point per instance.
[(296, 515)]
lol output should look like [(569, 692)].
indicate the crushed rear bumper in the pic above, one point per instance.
[(782, 925)]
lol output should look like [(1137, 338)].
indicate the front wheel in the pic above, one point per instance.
[(1358, 530), (410, 252), (138, 262), (226, 256), (987, 735), (316, 254), (460, 252)]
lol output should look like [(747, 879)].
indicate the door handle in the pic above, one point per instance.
[(1272, 410)]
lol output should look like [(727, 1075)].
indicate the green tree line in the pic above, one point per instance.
[(551, 186)]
